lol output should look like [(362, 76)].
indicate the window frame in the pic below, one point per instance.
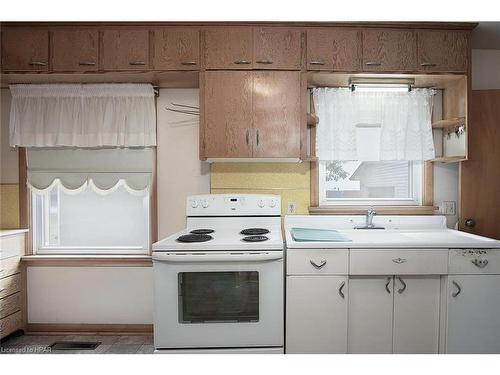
[(37, 220)]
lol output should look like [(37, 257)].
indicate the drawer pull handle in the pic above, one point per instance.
[(481, 263), (387, 285), (137, 63), (316, 62), (248, 137), (372, 63), (341, 293), (86, 63), (399, 260), (403, 284), (267, 62), (427, 64), (38, 63), (459, 289), (189, 63), (242, 62), (319, 265)]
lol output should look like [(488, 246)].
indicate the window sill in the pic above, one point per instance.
[(381, 210), (87, 260)]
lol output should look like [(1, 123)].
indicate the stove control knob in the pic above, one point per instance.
[(272, 203), (204, 204), (261, 203), (194, 203)]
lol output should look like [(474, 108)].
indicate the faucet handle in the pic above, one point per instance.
[(371, 211)]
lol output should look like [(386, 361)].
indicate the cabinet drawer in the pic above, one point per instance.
[(10, 266), (475, 261), (398, 262), (317, 261), (10, 324), (10, 304), (11, 246), (10, 285)]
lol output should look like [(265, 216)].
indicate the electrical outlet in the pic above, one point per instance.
[(292, 208), (448, 208)]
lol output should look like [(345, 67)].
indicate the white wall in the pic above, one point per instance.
[(9, 171), (93, 295)]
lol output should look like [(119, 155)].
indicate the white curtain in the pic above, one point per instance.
[(83, 115), (374, 125)]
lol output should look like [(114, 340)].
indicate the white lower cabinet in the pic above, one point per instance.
[(316, 314), (390, 314), (473, 314)]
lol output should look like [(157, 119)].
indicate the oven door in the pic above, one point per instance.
[(218, 299)]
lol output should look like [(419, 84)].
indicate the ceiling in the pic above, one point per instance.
[(486, 36)]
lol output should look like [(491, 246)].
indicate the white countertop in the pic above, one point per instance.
[(402, 232), (10, 232)]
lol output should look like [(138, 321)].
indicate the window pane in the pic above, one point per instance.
[(368, 180), (218, 297), (88, 219)]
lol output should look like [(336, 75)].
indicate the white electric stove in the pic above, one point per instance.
[(219, 282)]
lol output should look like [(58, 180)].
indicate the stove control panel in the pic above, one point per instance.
[(233, 205)]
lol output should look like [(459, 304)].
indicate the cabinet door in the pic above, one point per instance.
[(125, 49), (276, 114), (229, 48), (75, 50), (416, 314), (442, 51), (316, 314), (389, 50), (227, 114), (370, 314), (473, 321), (176, 49), (25, 49), (277, 48), (336, 49)]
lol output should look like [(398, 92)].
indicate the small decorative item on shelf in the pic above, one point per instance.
[(459, 130)]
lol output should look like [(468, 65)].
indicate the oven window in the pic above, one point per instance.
[(218, 297)]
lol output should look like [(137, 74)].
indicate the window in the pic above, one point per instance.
[(87, 221), (370, 182)]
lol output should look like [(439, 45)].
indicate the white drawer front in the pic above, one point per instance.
[(317, 261), (475, 261), (12, 245), (398, 262)]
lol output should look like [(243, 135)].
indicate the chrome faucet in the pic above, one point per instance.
[(370, 213)]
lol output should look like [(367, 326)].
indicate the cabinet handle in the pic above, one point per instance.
[(402, 283), (318, 266), (137, 62), (481, 263), (2, 289), (248, 137), (470, 223), (427, 64), (38, 63), (341, 293), (267, 62), (242, 62), (316, 62), (373, 63), (257, 136), (399, 260), (86, 63), (387, 285), (459, 289), (189, 63)]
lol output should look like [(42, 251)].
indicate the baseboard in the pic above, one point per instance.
[(89, 329)]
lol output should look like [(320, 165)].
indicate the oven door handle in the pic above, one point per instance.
[(202, 258)]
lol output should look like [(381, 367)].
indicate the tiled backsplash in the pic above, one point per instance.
[(9, 206), (290, 180)]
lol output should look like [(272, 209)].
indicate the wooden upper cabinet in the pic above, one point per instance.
[(333, 49), (125, 49), (389, 50), (276, 114), (227, 114), (277, 48), (25, 49), (228, 48), (442, 51), (176, 49), (75, 50)]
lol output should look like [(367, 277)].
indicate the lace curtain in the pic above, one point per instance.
[(83, 115), (378, 125)]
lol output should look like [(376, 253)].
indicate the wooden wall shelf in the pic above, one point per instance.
[(449, 123), (449, 159)]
